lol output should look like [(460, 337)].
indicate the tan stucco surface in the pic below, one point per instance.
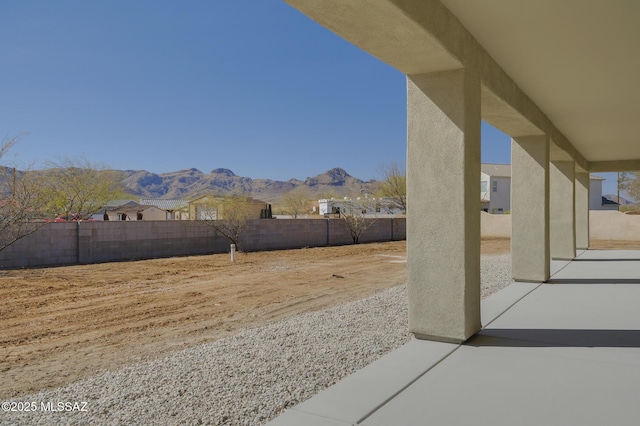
[(613, 225), (583, 183), (530, 242), (559, 77), (443, 245), (567, 69), (562, 210)]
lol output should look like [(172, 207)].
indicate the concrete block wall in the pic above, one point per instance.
[(284, 234), (338, 234), (121, 240), (93, 242), (399, 229), (53, 243), (378, 230)]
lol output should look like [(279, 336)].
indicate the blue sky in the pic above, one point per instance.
[(249, 85)]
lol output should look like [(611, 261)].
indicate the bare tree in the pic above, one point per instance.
[(624, 179), (632, 186), (296, 201), (227, 214), (354, 217), (80, 187), (20, 203), (393, 187)]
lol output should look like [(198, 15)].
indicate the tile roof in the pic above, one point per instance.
[(120, 202), (169, 205), (498, 170)]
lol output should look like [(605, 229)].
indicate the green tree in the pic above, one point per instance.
[(296, 201), (79, 187), (393, 186)]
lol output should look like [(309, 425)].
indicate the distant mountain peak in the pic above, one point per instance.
[(335, 177), (192, 171), (192, 183), (338, 172), (612, 197), (222, 171)]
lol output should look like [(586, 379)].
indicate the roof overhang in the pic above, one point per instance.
[(567, 69)]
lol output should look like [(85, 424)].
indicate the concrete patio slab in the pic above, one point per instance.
[(507, 386), (549, 354), (556, 266), (355, 397), (599, 271), (608, 255), (294, 417), (496, 304), (566, 307)]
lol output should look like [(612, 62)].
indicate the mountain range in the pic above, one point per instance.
[(192, 183), (612, 197)]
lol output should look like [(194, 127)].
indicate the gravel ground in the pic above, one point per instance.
[(249, 378)]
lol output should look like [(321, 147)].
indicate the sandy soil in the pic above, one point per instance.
[(608, 244), (61, 324)]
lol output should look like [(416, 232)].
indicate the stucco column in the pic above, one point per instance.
[(562, 207), (530, 208), (582, 210), (443, 212)]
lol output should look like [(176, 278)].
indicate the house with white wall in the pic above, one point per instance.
[(130, 210), (495, 190), (177, 209), (369, 207), (212, 208), (596, 200)]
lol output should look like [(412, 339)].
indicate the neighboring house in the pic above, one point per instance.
[(212, 208), (596, 200), (130, 210), (370, 207), (176, 209), (495, 190)]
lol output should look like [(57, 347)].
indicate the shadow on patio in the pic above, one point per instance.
[(565, 353)]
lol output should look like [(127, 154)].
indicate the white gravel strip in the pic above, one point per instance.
[(246, 379)]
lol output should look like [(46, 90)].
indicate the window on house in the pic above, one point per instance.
[(483, 186), (494, 186)]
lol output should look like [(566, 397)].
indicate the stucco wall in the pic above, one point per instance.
[(92, 242), (603, 225), (495, 225), (613, 225)]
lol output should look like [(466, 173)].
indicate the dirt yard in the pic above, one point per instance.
[(608, 244), (61, 324)]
